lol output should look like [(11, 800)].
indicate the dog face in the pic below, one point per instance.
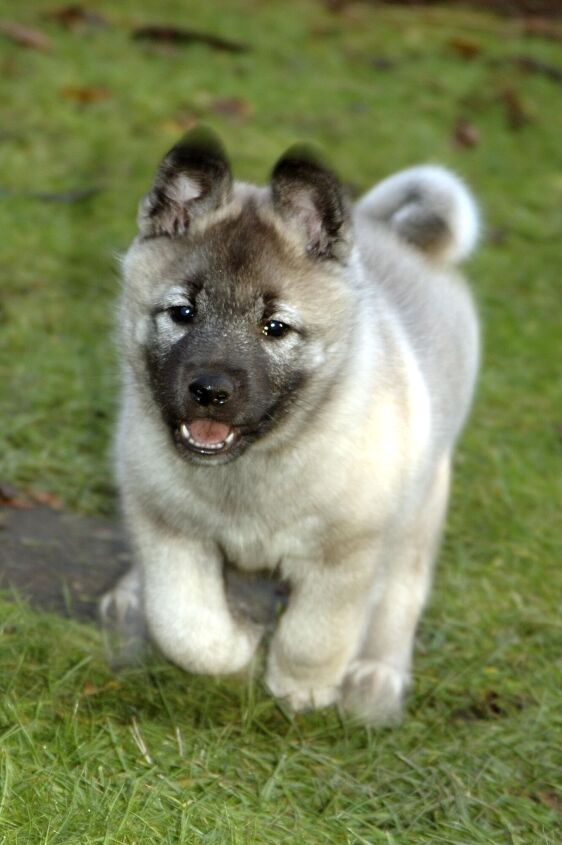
[(238, 300)]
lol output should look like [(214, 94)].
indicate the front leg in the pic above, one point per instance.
[(185, 602), (319, 633), (377, 679)]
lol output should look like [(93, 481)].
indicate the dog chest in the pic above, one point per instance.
[(252, 546)]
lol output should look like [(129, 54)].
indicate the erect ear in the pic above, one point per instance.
[(193, 179), (309, 197)]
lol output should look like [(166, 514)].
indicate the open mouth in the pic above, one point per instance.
[(208, 437)]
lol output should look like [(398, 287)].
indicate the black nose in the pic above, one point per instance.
[(211, 389)]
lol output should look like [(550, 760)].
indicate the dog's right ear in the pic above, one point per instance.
[(194, 179)]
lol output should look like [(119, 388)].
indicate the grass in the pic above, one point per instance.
[(154, 755)]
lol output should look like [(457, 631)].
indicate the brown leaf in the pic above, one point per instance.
[(490, 705), (49, 500), (542, 28), (531, 65), (233, 107), (76, 17), (550, 799), (11, 498), (383, 63), (464, 47), (465, 134), (24, 35), (86, 95), (336, 6), (177, 35), (516, 113)]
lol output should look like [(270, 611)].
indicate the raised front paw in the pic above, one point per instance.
[(302, 693), (122, 617), (373, 692), (122, 605)]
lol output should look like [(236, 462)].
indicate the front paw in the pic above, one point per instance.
[(302, 693), (373, 692), (122, 618), (121, 606)]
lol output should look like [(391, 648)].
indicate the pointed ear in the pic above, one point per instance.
[(308, 196), (193, 179)]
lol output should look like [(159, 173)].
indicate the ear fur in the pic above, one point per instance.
[(308, 195), (193, 179)]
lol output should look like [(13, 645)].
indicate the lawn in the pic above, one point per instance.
[(155, 755)]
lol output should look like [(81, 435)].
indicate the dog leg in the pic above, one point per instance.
[(122, 605), (319, 632), (122, 618), (377, 679), (186, 607)]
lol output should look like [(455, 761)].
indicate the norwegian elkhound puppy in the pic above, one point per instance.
[(296, 372)]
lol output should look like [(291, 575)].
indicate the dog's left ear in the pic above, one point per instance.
[(194, 179), (309, 196)]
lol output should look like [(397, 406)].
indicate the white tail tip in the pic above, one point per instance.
[(430, 208)]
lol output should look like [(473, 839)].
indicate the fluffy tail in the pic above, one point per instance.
[(430, 208)]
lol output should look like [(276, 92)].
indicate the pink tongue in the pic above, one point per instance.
[(208, 432)]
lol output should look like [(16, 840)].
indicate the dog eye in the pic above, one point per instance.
[(182, 313), (275, 328)]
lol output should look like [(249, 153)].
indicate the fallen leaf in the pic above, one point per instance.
[(11, 498), (86, 95), (550, 799), (89, 688), (336, 6), (49, 500), (506, 8), (542, 28), (24, 35), (76, 17), (465, 134), (383, 63), (177, 35), (233, 107), (516, 113), (531, 65), (464, 47), (491, 705)]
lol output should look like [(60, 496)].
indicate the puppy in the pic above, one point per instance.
[(296, 373)]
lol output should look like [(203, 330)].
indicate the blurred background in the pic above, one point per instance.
[(92, 94)]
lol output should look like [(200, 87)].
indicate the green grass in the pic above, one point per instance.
[(478, 757)]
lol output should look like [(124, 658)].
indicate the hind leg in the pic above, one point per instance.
[(378, 677)]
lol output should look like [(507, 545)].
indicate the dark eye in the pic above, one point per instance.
[(275, 328), (182, 313)]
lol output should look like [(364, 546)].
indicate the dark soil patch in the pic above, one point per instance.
[(64, 563), (59, 561)]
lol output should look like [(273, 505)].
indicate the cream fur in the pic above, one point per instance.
[(355, 515)]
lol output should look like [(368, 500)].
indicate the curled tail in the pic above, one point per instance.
[(430, 208)]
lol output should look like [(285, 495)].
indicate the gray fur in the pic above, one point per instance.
[(342, 490)]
